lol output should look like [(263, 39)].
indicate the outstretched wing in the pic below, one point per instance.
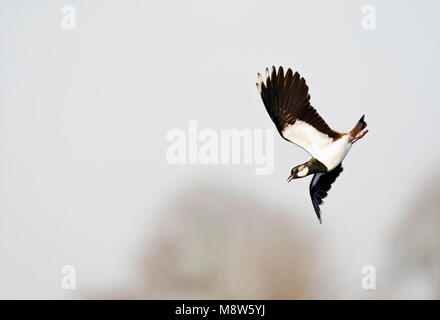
[(287, 101), (320, 185)]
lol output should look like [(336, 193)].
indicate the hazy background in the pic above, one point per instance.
[(84, 181)]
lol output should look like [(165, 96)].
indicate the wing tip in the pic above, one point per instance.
[(271, 73), (258, 87)]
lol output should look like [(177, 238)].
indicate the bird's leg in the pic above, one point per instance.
[(360, 136)]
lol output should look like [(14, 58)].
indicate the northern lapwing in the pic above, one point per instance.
[(287, 100)]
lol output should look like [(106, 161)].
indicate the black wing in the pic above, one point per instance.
[(320, 185), (286, 98)]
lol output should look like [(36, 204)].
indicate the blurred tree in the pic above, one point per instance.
[(414, 256), (214, 243)]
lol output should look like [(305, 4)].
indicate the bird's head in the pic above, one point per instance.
[(299, 172)]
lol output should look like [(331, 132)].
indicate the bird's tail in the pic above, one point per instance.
[(361, 125)]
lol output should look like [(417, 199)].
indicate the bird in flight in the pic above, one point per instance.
[(287, 100)]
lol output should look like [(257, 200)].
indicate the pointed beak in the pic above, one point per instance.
[(290, 178)]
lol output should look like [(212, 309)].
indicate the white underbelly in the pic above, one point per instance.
[(335, 152)]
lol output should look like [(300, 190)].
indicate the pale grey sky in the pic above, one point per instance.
[(84, 114)]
